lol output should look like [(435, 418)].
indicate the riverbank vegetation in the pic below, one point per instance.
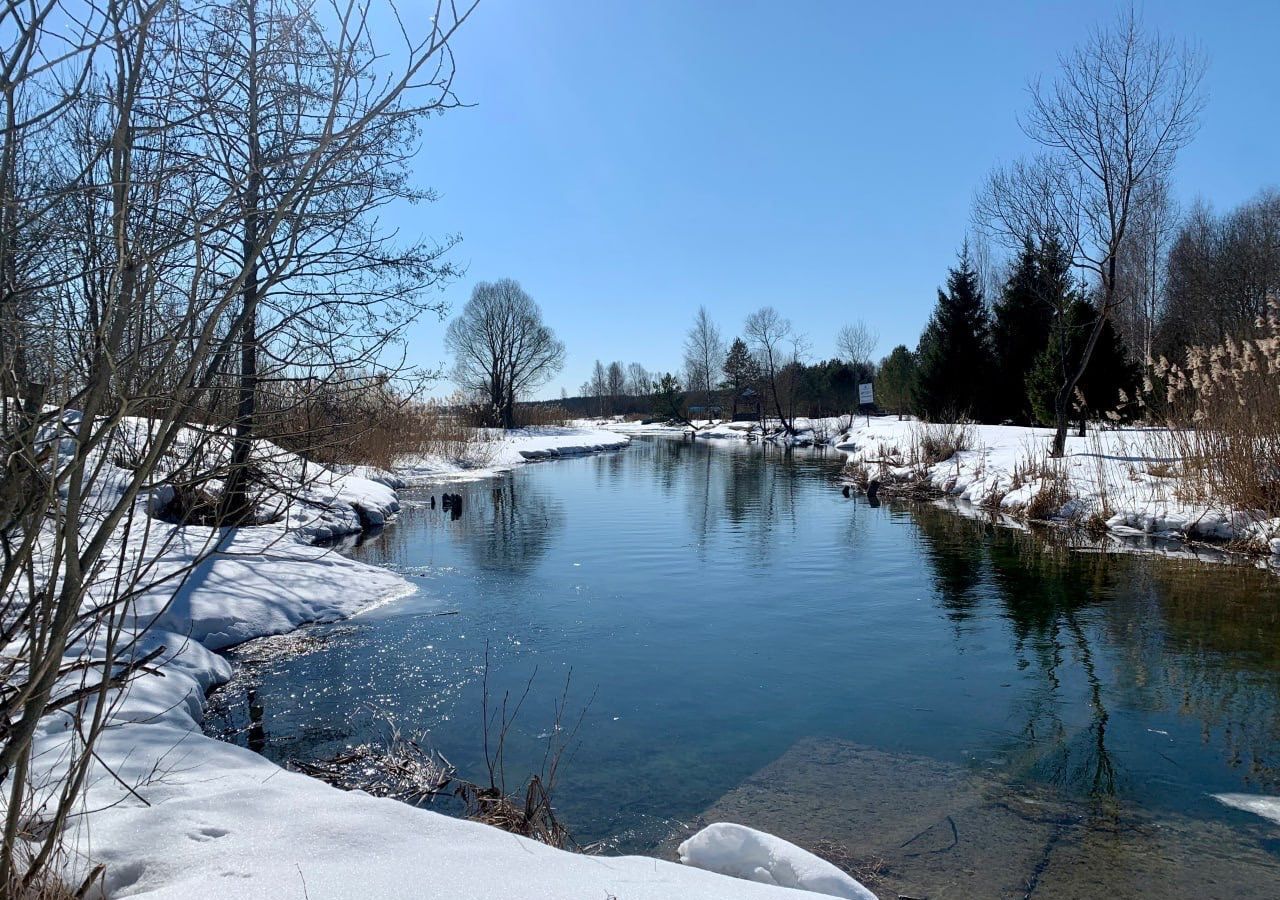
[(195, 283)]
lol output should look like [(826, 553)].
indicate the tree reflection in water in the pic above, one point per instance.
[(1178, 637), (512, 529)]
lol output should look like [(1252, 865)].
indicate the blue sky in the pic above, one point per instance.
[(629, 161)]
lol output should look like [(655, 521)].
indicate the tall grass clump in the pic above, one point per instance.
[(935, 443), (1223, 410)]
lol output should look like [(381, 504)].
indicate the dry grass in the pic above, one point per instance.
[(401, 766), (935, 443), (368, 423), (1222, 406), (46, 885), (1052, 494), (540, 415)]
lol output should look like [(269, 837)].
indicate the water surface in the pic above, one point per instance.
[(714, 605)]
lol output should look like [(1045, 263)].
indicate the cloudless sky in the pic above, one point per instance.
[(629, 161)]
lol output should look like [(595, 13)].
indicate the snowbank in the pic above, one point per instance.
[(1118, 479), (1258, 804), (509, 449), (746, 853)]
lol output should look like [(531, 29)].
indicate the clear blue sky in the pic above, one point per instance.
[(628, 161)]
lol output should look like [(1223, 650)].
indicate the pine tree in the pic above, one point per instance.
[(1110, 372), (740, 370), (954, 359), (895, 380), (669, 400), (1023, 317)]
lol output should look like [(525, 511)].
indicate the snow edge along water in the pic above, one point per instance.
[(183, 815)]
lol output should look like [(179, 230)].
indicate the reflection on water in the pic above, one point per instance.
[(725, 603)]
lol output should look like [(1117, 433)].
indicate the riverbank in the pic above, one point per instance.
[(499, 451), (170, 812), (1128, 482)]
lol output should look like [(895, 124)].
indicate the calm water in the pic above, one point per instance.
[(716, 604)]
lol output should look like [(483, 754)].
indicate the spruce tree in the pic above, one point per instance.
[(1023, 317), (740, 370), (954, 359), (1109, 373), (895, 379)]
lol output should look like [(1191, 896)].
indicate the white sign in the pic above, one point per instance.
[(865, 397)]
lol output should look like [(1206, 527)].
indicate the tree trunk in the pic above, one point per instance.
[(1062, 401), (236, 506)]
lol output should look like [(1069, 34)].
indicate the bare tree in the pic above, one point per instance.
[(1141, 270), (1124, 104), (639, 381), (856, 345), (501, 348), (704, 351), (319, 279), (138, 308), (615, 385), (777, 349)]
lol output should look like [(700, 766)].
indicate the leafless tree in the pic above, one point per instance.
[(704, 351), (639, 381), (1124, 103), (131, 317), (1141, 268), (1219, 273), (777, 348), (502, 349), (856, 344), (616, 384)]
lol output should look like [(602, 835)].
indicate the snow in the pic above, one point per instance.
[(1258, 804), (756, 856), (509, 449), (183, 815)]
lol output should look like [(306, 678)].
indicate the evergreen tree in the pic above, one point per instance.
[(669, 400), (1023, 317), (895, 380), (740, 370), (1109, 373), (954, 360)]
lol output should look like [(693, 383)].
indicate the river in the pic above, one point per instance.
[(925, 694)]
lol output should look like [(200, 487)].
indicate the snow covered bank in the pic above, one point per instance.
[(1121, 480), (506, 450)]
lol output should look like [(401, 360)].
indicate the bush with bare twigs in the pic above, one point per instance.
[(527, 810)]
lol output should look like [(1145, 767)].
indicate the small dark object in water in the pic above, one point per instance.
[(846, 490), (873, 490), (453, 503), (257, 733), (433, 501)]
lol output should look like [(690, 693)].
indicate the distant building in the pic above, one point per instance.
[(706, 412)]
